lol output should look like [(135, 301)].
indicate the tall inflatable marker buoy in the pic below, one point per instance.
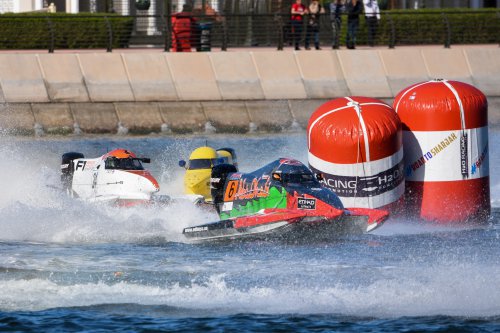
[(356, 144), (445, 138)]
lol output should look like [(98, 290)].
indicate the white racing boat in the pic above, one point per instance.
[(117, 177)]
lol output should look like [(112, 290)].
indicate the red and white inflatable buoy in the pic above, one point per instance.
[(356, 144), (445, 137)]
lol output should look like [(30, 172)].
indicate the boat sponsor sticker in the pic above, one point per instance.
[(306, 203), (80, 164), (446, 155), (365, 186), (247, 188), (195, 229), (227, 206), (464, 161)]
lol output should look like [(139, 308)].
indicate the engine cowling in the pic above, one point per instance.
[(217, 182), (67, 168)]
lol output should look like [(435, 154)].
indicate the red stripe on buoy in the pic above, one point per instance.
[(445, 202)]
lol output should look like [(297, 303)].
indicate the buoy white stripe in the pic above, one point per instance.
[(408, 91), (376, 200), (437, 155), (353, 170), (459, 101), (357, 108)]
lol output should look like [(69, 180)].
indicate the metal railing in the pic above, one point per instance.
[(204, 33)]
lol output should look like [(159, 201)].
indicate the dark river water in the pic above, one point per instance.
[(72, 266)]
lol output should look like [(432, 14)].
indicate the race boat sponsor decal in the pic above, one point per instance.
[(479, 162), (245, 189), (306, 203), (277, 198), (195, 229), (464, 161), (80, 164), (365, 186), (84, 165), (223, 224), (289, 161), (438, 148), (214, 181), (226, 206)]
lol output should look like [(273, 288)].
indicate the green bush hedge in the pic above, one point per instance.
[(413, 27), (396, 27), (431, 26), (62, 31)]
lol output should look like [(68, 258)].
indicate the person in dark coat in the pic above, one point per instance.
[(354, 8), (337, 8)]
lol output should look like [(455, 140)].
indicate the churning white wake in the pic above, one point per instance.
[(33, 207), (464, 290)]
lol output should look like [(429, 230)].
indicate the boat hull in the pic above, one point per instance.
[(302, 230)]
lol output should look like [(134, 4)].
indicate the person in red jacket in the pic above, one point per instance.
[(182, 26), (298, 12)]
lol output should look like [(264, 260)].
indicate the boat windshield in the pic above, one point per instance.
[(299, 178), (201, 163), (113, 163)]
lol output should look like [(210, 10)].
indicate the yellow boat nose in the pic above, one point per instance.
[(198, 182)]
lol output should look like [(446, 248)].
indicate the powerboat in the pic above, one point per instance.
[(117, 177), (199, 169), (282, 200)]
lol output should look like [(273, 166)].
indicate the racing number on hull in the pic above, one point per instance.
[(231, 190)]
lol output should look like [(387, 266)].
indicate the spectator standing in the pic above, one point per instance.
[(337, 8), (182, 28), (353, 8), (298, 12), (372, 16), (315, 10)]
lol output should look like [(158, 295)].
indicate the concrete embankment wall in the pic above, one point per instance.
[(239, 91)]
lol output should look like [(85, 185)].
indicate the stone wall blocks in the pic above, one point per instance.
[(270, 115), (183, 117), (54, 118), (95, 117), (139, 117), (227, 116), (17, 119)]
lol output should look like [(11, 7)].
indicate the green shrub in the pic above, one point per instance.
[(62, 31), (414, 27)]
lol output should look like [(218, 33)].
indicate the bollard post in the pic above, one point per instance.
[(392, 34), (447, 38), (168, 26), (109, 46), (281, 38), (224, 34), (51, 34)]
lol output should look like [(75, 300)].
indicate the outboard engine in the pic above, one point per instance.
[(67, 168), (217, 182), (232, 152)]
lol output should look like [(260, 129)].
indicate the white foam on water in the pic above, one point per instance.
[(31, 211), (461, 290), (33, 208)]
